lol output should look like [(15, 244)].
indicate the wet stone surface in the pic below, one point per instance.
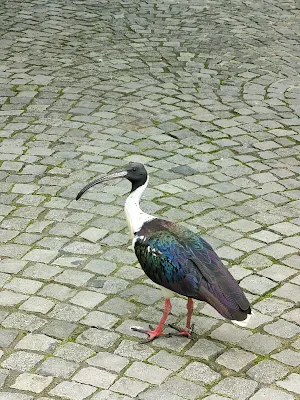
[(207, 95)]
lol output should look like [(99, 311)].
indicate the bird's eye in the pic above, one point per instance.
[(133, 169)]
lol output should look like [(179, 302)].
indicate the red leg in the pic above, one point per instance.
[(189, 328), (190, 308), (158, 331)]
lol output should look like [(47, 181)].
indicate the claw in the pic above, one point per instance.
[(181, 332), (152, 333)]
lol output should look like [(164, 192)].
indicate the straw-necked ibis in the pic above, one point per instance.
[(177, 259)]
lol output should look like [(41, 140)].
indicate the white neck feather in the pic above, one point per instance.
[(135, 216)]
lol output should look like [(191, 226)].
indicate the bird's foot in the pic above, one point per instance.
[(181, 332), (152, 333)]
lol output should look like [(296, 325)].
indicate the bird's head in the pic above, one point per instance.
[(136, 174)]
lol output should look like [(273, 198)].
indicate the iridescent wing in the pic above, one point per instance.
[(180, 260)]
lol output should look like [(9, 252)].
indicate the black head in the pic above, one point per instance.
[(136, 174)]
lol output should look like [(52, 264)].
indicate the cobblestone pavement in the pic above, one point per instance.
[(207, 94)]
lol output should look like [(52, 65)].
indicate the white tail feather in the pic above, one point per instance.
[(245, 322)]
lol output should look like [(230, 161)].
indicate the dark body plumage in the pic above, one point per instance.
[(181, 261)]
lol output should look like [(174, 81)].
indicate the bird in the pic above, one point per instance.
[(177, 260)]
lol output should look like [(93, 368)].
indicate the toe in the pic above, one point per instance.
[(136, 329)]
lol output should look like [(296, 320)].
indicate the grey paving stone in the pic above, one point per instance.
[(293, 316), (285, 228), (199, 372), (37, 304), (245, 244), (122, 256), (12, 266), (260, 344), (292, 261), (130, 273), (283, 329), (14, 396), (202, 324), (168, 360), (296, 344), (230, 333), (278, 273), (54, 366), (94, 234), (159, 393), (110, 285), (76, 278), (216, 397), (101, 267), (67, 312), (8, 298), (65, 229), (291, 383), (289, 291), (205, 349), (243, 225), (7, 336), (3, 315), (73, 352), (26, 322), (111, 362), (239, 272), (41, 271), (72, 390), (99, 319), (82, 248), (257, 285), (268, 393), (118, 306), (109, 395), (267, 371), (37, 342), (235, 359), (25, 286), (225, 234), (72, 262), (40, 255), (149, 373), (126, 326), (134, 350), (31, 382), (59, 329), (228, 253), (175, 344), (57, 291), (236, 388), (97, 338), (278, 250), (21, 361), (87, 299), (288, 357), (272, 306), (7, 235), (129, 387), (256, 262), (184, 388), (258, 320), (143, 294), (3, 375)]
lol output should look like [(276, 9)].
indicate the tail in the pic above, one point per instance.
[(218, 288), (244, 323), (236, 309)]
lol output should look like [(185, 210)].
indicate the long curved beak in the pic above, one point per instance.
[(108, 177)]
